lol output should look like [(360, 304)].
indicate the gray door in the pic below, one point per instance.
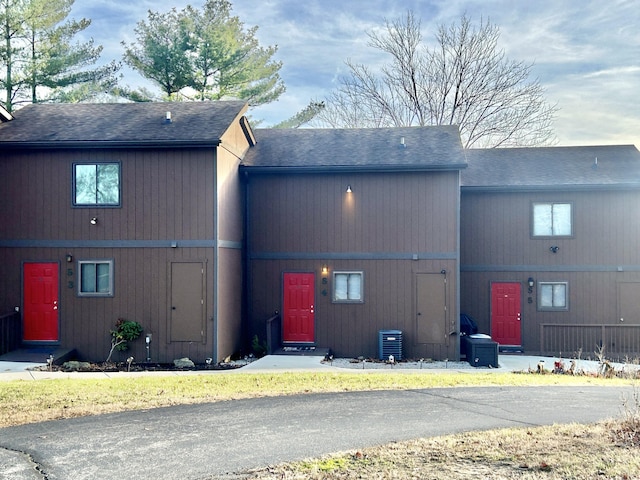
[(431, 309), (187, 302)]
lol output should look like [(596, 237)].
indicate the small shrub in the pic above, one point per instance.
[(260, 349), (125, 331)]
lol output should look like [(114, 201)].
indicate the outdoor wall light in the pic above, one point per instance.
[(94, 220), (531, 283), (348, 188), (554, 249), (69, 258), (325, 269)]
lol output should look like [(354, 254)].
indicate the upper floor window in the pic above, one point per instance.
[(552, 219), (96, 184), (348, 287)]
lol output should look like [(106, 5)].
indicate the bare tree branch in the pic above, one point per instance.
[(464, 80)]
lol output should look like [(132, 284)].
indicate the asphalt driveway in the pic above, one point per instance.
[(215, 440)]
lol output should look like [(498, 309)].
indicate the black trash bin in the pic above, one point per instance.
[(480, 350)]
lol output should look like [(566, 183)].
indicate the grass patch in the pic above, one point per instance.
[(30, 401), (552, 452)]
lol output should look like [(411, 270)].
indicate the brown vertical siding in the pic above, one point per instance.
[(496, 245), (229, 315), (166, 195), (385, 213), (352, 329), (300, 222), (230, 235)]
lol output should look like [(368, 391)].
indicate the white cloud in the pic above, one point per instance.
[(584, 52)]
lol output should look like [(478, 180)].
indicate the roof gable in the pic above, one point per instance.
[(132, 124), (552, 167), (375, 148)]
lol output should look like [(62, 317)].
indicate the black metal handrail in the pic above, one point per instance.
[(273, 333)]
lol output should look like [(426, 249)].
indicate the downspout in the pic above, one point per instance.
[(246, 259), (458, 279), (216, 242)]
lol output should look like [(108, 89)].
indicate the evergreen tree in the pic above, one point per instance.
[(41, 64), (205, 54)]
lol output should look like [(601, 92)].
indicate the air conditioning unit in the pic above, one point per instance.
[(390, 343)]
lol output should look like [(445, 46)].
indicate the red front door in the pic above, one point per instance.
[(40, 302), (298, 318), (505, 313)]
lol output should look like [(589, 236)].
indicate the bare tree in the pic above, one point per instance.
[(464, 80)]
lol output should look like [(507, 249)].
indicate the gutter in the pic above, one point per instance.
[(270, 170), (88, 144), (549, 188)]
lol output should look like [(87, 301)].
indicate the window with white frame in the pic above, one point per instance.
[(95, 278), (553, 296), (551, 219), (96, 184), (348, 287)]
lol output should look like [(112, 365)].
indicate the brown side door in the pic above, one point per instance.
[(431, 319), (187, 316)]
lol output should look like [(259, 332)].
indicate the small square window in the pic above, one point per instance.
[(552, 219), (348, 287), (553, 296), (96, 184), (95, 278)]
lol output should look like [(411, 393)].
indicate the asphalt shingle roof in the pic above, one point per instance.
[(127, 123), (569, 167), (309, 149)]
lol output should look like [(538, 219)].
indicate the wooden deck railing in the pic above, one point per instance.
[(616, 341), (10, 332)]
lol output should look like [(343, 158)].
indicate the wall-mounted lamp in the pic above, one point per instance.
[(348, 188), (325, 269), (554, 249), (531, 282), (69, 258), (167, 117), (94, 220)]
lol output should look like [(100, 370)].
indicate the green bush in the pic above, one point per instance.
[(125, 331)]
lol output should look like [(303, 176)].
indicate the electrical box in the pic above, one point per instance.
[(390, 343)]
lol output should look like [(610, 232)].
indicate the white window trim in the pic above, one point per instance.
[(360, 273), (108, 293), (552, 308)]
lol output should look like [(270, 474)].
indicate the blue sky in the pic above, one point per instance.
[(586, 53)]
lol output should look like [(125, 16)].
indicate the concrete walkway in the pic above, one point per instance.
[(293, 363)]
